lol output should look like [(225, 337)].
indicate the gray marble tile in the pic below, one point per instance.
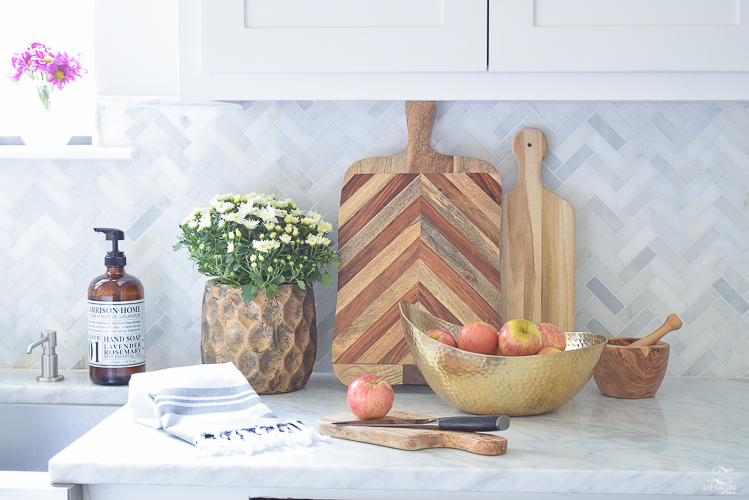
[(732, 297), (605, 296)]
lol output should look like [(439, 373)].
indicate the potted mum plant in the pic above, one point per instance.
[(263, 255)]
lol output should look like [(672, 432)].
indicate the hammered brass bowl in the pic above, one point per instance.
[(508, 385)]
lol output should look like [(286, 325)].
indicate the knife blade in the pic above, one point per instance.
[(464, 424)]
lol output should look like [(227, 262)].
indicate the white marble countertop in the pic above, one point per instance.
[(21, 387), (668, 444)]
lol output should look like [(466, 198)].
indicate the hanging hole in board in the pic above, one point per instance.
[(529, 144)]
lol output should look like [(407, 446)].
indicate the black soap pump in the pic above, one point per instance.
[(116, 314)]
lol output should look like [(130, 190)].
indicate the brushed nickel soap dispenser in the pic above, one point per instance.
[(48, 341)]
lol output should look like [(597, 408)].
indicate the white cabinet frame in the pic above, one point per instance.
[(618, 35), (322, 36)]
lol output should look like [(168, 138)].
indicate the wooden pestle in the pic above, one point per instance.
[(672, 323)]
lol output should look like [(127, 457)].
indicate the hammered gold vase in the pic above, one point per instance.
[(272, 342)]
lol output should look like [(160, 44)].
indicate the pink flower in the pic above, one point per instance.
[(34, 58), (63, 69)]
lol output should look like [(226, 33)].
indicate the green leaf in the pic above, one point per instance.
[(178, 246), (335, 264), (301, 285), (326, 280), (248, 293), (268, 294)]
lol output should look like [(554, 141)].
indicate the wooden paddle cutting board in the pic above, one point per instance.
[(412, 439), (418, 226), (538, 243)]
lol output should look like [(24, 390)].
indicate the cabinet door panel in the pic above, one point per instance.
[(618, 35), (246, 36)]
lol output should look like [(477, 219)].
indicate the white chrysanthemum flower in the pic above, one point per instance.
[(253, 258), (250, 223), (202, 246), (221, 223), (230, 248), (291, 219), (223, 206), (187, 219), (268, 214), (246, 209), (192, 224), (279, 204), (265, 246), (254, 264), (285, 238), (309, 221), (231, 236), (238, 233), (273, 235), (232, 217), (324, 227), (220, 198), (257, 200), (205, 221), (297, 212), (314, 216), (269, 226), (295, 232), (289, 228), (316, 239)]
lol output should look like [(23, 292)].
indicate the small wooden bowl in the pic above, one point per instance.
[(631, 372)]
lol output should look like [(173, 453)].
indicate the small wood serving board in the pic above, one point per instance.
[(538, 243), (412, 439)]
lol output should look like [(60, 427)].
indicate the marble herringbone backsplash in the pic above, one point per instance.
[(660, 189)]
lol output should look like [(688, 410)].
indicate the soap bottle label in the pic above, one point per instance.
[(115, 333)]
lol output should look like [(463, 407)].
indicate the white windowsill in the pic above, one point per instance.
[(67, 153)]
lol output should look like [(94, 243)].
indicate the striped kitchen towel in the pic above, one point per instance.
[(214, 408)]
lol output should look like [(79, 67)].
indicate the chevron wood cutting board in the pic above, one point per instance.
[(417, 226)]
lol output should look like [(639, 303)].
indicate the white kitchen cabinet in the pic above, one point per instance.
[(539, 50), (618, 35), (323, 36)]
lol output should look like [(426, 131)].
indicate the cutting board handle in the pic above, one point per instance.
[(419, 117), (529, 147)]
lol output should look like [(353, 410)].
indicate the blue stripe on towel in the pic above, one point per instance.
[(204, 410)]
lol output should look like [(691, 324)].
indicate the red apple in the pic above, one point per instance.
[(548, 350), (519, 337), (370, 396), (480, 338), (552, 336), (443, 337)]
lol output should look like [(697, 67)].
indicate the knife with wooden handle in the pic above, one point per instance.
[(464, 424)]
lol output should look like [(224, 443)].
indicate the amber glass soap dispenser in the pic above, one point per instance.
[(116, 314)]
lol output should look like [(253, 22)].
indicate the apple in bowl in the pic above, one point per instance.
[(480, 338), (552, 336), (442, 336), (549, 350), (518, 337)]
